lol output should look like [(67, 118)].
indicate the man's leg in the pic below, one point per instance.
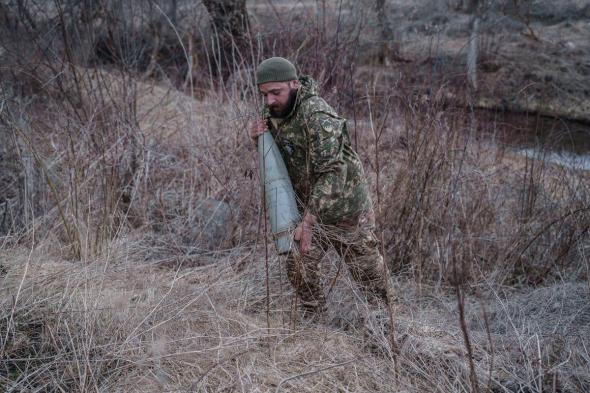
[(304, 274), (360, 250)]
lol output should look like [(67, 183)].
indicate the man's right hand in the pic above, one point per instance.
[(257, 128)]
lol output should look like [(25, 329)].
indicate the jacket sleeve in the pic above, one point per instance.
[(327, 162)]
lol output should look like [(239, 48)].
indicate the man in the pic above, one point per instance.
[(329, 183)]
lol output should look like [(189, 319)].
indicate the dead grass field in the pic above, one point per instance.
[(145, 312), (105, 287)]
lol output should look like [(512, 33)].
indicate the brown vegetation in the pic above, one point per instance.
[(104, 285)]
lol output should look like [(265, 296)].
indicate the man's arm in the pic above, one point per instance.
[(327, 162), (325, 133)]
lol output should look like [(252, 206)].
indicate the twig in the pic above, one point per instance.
[(466, 339), (313, 372), (266, 268), (196, 384), (188, 58)]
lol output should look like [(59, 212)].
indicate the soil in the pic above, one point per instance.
[(532, 58)]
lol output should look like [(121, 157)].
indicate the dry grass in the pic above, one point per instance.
[(145, 311), (103, 286), (117, 323)]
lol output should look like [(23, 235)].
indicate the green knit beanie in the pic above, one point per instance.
[(275, 69)]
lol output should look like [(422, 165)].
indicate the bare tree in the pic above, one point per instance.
[(173, 12), (475, 8), (229, 20), (469, 5), (390, 48), (472, 51)]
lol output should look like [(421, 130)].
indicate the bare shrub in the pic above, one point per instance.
[(101, 291)]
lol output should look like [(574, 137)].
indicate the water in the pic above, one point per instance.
[(565, 158), (557, 141)]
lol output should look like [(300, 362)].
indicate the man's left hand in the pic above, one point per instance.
[(257, 128), (303, 232)]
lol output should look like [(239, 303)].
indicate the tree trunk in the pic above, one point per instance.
[(173, 12), (472, 53), (468, 5), (389, 46), (472, 56), (229, 20)]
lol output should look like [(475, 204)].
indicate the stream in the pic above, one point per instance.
[(557, 141)]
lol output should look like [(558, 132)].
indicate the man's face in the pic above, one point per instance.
[(279, 97)]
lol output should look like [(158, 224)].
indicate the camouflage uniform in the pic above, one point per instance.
[(329, 182)]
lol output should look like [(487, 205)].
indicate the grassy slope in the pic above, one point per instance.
[(144, 314), (143, 308)]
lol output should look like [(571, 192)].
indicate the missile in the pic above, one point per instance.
[(279, 195)]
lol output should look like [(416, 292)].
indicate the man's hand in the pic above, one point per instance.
[(303, 232), (257, 128)]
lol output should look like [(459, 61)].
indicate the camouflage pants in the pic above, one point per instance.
[(359, 248)]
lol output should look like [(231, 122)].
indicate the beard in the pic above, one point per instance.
[(283, 111)]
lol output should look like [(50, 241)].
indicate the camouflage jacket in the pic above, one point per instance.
[(326, 172)]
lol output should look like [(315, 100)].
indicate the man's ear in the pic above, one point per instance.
[(295, 84)]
